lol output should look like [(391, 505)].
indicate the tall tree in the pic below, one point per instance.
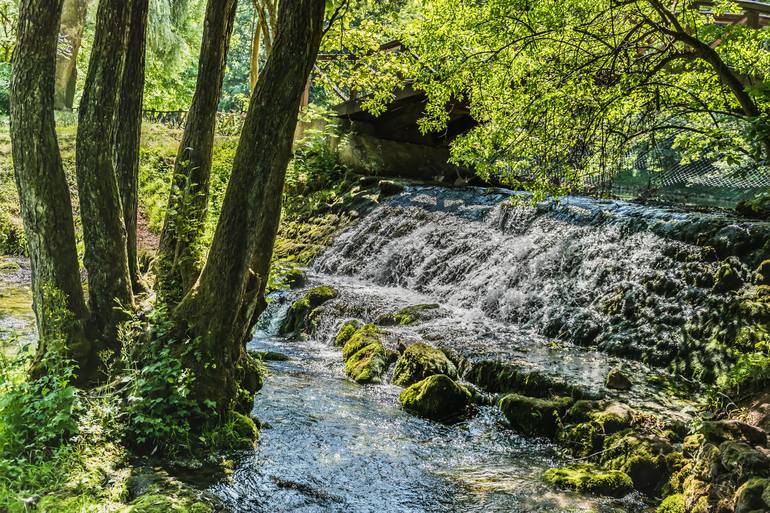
[(104, 232), (43, 192), (217, 310), (128, 131), (180, 250), (73, 22), (264, 33)]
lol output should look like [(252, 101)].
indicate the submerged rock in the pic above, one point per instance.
[(407, 315), (617, 380), (437, 397), (389, 188), (420, 361), (587, 478), (297, 316), (533, 416), (499, 376)]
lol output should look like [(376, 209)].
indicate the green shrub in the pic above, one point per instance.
[(5, 84)]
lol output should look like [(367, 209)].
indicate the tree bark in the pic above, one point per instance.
[(217, 311), (180, 250), (73, 22), (128, 132), (44, 196), (104, 232)]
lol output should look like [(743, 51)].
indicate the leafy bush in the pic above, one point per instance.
[(160, 407)]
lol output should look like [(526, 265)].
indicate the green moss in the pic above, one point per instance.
[(347, 330), (587, 478), (672, 504), (368, 364), (362, 337), (762, 274), (297, 316), (726, 278), (497, 376), (749, 496), (238, 432), (582, 439), (166, 504), (408, 315), (420, 361), (744, 460), (534, 416), (437, 397)]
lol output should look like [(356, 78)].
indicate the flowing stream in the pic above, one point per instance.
[(568, 289)]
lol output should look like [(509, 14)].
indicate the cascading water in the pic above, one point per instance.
[(567, 290)]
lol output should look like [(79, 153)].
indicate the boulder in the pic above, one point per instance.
[(389, 188), (727, 277), (420, 361), (407, 315), (368, 364), (718, 431), (346, 331), (743, 460), (762, 274), (748, 497), (673, 504), (533, 416), (589, 479), (617, 380), (362, 337), (437, 397), (297, 316), (498, 376)]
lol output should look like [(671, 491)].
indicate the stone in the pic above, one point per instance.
[(368, 364), (437, 397), (389, 188), (346, 331), (420, 361), (362, 337), (271, 356), (533, 416), (498, 376), (727, 277), (672, 504), (748, 497), (743, 460), (762, 274), (718, 431), (297, 316), (589, 479), (617, 380), (407, 315)]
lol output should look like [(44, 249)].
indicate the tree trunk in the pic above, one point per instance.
[(104, 232), (43, 192), (180, 250), (256, 45), (217, 311), (73, 22), (128, 132)]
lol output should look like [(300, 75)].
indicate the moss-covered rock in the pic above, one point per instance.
[(743, 460), (418, 362), (297, 316), (672, 504), (762, 274), (497, 376), (727, 278), (346, 331), (589, 479), (748, 497), (362, 337), (238, 432), (437, 397), (718, 431), (582, 439), (408, 315), (368, 364), (534, 416)]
